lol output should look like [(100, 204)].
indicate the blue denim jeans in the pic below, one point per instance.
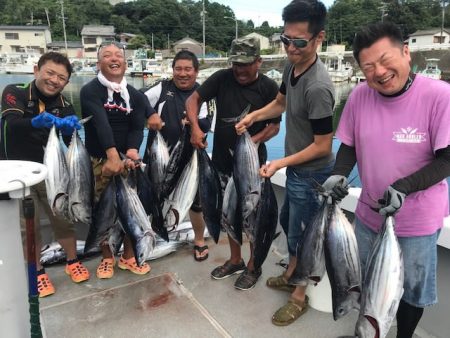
[(419, 260), (300, 202)]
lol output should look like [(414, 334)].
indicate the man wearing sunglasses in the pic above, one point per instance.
[(307, 96), (235, 89)]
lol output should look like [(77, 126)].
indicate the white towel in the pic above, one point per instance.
[(120, 88)]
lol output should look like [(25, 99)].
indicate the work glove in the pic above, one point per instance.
[(44, 120), (335, 188), (392, 201), (68, 124)]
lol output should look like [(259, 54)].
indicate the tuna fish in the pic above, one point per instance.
[(266, 223), (57, 180), (104, 219), (181, 199), (383, 284), (310, 252), (158, 158), (246, 174), (179, 158), (134, 220), (210, 194), (81, 186), (342, 263), (150, 202), (229, 209)]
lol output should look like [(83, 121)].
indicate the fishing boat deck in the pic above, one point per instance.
[(178, 299)]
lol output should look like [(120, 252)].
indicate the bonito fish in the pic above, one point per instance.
[(383, 284), (342, 263), (134, 220), (310, 252), (181, 199), (57, 180), (80, 190)]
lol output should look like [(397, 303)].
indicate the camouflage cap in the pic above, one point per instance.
[(244, 50)]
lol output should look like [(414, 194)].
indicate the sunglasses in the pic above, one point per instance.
[(298, 43), (109, 43)]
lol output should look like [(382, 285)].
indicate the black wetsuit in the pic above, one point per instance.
[(111, 126), (20, 103)]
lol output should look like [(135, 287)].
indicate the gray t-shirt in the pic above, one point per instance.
[(312, 97)]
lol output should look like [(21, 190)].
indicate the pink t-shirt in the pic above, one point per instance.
[(393, 138)]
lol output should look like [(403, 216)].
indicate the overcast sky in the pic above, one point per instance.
[(260, 10)]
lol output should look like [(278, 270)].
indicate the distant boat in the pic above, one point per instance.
[(338, 70), (21, 63), (274, 74), (203, 74), (431, 69)]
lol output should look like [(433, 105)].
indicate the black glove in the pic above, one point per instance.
[(335, 187), (392, 201)]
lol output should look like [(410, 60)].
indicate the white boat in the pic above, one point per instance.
[(431, 69), (338, 70), (203, 74), (148, 67), (274, 74), (21, 63)]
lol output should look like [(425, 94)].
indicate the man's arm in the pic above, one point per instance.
[(271, 110), (320, 147), (267, 133), (192, 108), (91, 105)]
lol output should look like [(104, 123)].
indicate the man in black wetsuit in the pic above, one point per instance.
[(234, 89), (28, 113), (116, 127), (168, 98)]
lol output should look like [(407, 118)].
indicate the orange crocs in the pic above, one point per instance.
[(44, 285), (77, 272), (130, 264), (106, 268)]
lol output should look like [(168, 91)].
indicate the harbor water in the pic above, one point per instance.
[(275, 146)]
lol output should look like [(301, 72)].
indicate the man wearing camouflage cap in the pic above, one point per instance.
[(234, 89)]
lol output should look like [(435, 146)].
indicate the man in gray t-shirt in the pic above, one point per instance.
[(306, 94)]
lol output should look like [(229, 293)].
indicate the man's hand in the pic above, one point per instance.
[(243, 124), (44, 120), (68, 124), (133, 158), (335, 188), (154, 122), (269, 169), (197, 136), (392, 201), (113, 165)]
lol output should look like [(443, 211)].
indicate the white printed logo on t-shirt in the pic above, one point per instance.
[(409, 135)]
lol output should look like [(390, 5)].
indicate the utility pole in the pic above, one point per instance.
[(153, 49), (442, 22), (383, 10), (46, 14), (236, 21), (64, 24), (203, 25)]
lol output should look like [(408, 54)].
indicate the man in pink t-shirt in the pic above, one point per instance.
[(396, 127)]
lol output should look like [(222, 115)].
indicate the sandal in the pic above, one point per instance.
[(199, 250), (130, 264), (77, 272), (106, 268), (228, 269), (280, 283), (44, 285), (290, 312)]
